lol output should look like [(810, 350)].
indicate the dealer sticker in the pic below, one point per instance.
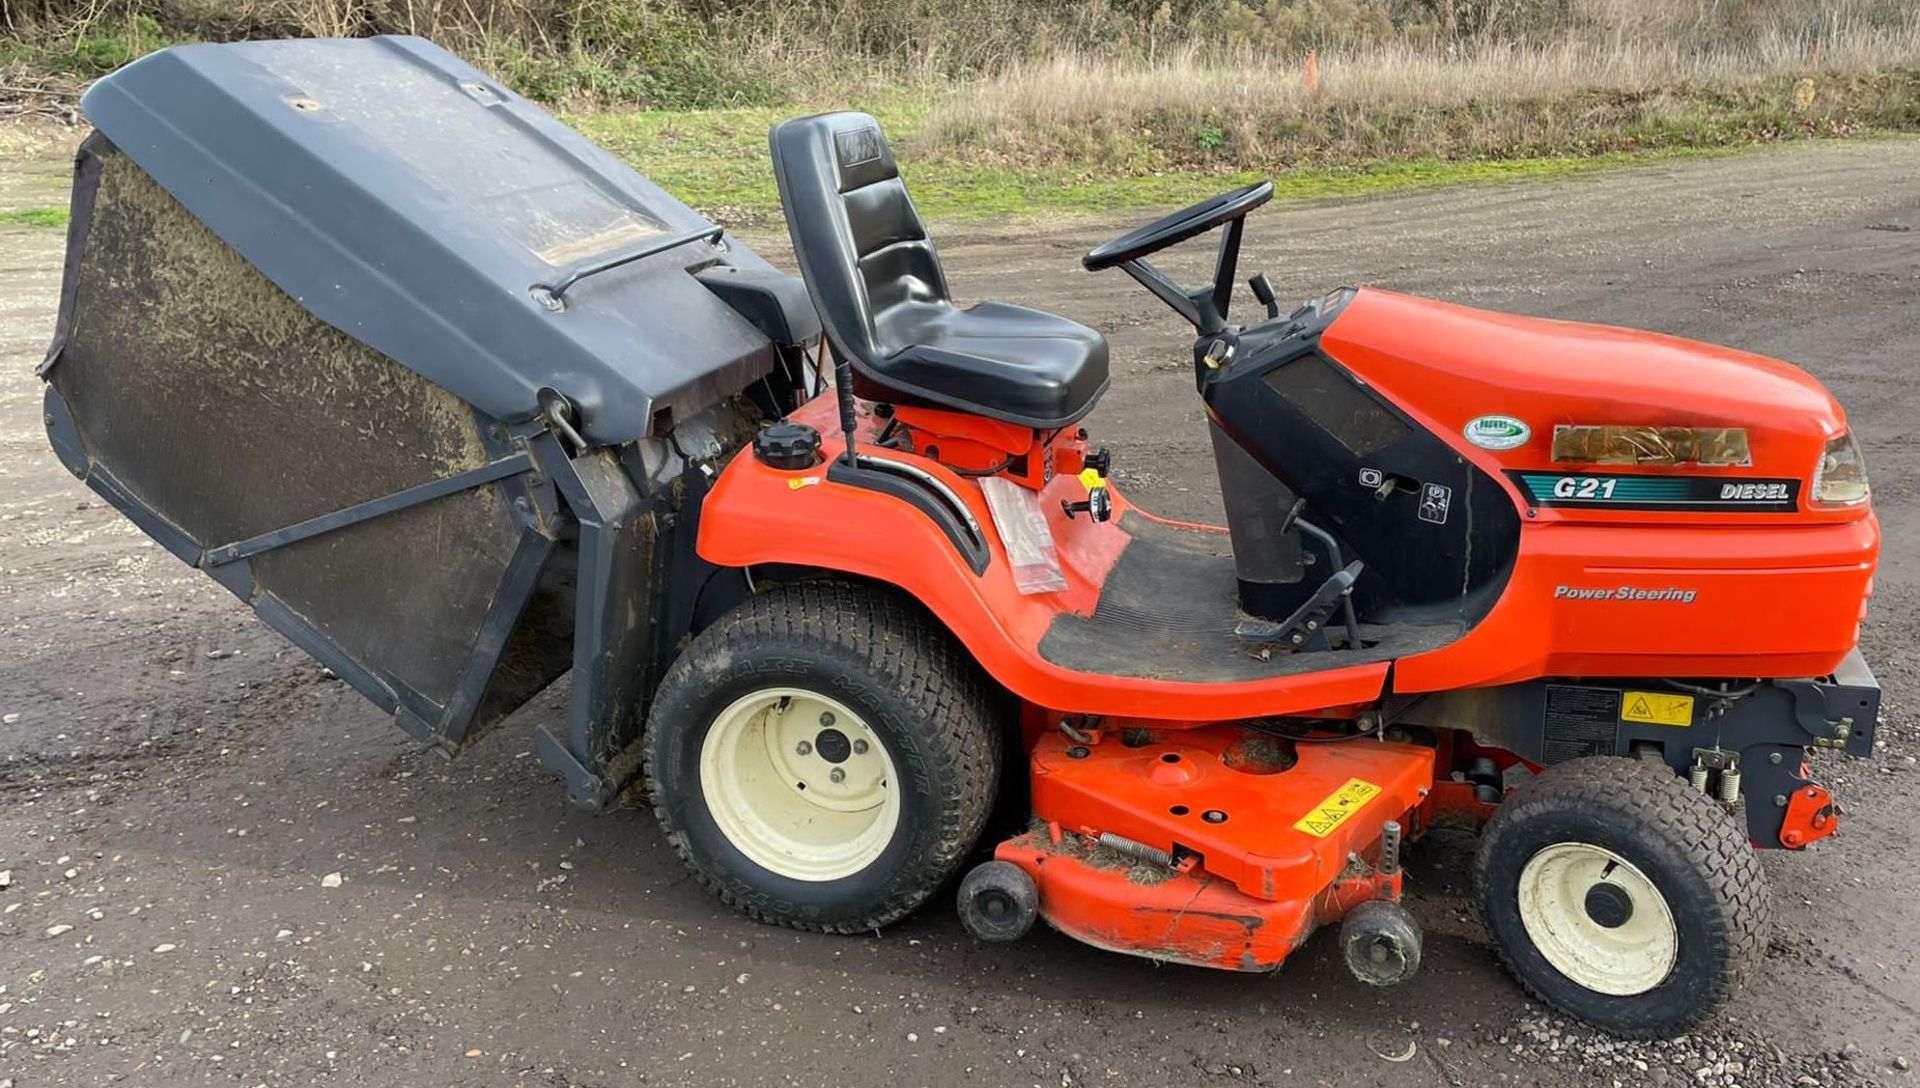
[(1656, 708), (1497, 432), (1339, 805)]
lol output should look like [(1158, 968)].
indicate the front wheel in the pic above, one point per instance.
[(1618, 894), (823, 756)]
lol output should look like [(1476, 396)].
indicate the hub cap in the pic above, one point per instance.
[(1598, 919), (799, 784)]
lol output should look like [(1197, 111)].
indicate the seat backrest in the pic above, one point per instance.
[(862, 247)]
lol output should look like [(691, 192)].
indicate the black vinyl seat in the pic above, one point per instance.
[(882, 296)]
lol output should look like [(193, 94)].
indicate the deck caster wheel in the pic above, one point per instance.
[(1620, 895), (823, 757), (1381, 943), (998, 901)]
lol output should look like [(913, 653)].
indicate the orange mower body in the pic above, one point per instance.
[(1612, 595)]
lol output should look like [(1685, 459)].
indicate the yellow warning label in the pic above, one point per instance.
[(1339, 805), (1656, 708)]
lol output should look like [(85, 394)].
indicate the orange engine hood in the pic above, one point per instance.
[(1447, 365)]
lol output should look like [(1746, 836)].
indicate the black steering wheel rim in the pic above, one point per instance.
[(1171, 230)]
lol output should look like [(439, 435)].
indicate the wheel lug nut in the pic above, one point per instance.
[(837, 775), (826, 717), (803, 748), (859, 747)]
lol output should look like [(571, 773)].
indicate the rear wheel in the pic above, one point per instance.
[(823, 756), (1619, 894), (799, 784)]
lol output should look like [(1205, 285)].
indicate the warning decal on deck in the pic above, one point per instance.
[(1656, 708), (1339, 805)]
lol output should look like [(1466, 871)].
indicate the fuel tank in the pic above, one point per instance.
[(1585, 500)]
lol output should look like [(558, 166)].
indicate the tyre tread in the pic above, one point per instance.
[(896, 640), (1711, 842)]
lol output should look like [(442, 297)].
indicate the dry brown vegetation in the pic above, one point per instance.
[(1643, 76), (1134, 86)]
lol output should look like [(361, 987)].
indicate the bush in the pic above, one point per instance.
[(1295, 26), (654, 54)]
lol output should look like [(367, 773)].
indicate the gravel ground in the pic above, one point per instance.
[(218, 865)]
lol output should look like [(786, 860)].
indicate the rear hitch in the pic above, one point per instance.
[(1811, 815)]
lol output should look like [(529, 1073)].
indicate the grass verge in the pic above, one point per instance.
[(34, 217), (717, 161)]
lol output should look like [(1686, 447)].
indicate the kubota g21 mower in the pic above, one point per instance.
[(458, 402)]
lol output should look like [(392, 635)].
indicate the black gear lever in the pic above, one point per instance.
[(1263, 290)]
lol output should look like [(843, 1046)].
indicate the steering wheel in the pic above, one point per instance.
[(1181, 225), (1204, 308)]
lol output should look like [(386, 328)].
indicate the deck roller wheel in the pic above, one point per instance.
[(998, 901), (1381, 943), (1618, 894)]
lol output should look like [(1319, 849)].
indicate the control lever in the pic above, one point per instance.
[(1098, 504), (1263, 290)]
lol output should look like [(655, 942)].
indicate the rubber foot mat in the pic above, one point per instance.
[(1167, 612)]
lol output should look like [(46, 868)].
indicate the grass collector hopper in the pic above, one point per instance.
[(427, 379), (457, 402)]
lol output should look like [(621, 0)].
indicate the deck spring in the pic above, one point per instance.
[(1153, 855)]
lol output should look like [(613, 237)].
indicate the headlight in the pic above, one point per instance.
[(1840, 479)]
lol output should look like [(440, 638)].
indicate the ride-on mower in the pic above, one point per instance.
[(458, 402)]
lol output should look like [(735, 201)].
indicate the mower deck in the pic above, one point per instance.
[(1264, 839), (1167, 611)]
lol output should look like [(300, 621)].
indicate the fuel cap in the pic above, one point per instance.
[(787, 445)]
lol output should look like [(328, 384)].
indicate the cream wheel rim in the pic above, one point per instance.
[(1598, 919), (799, 784)]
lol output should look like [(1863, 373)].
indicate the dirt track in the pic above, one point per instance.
[(176, 781)]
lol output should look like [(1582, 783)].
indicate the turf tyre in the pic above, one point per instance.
[(880, 655), (1684, 844)]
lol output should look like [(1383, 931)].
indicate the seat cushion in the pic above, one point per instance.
[(1003, 361)]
